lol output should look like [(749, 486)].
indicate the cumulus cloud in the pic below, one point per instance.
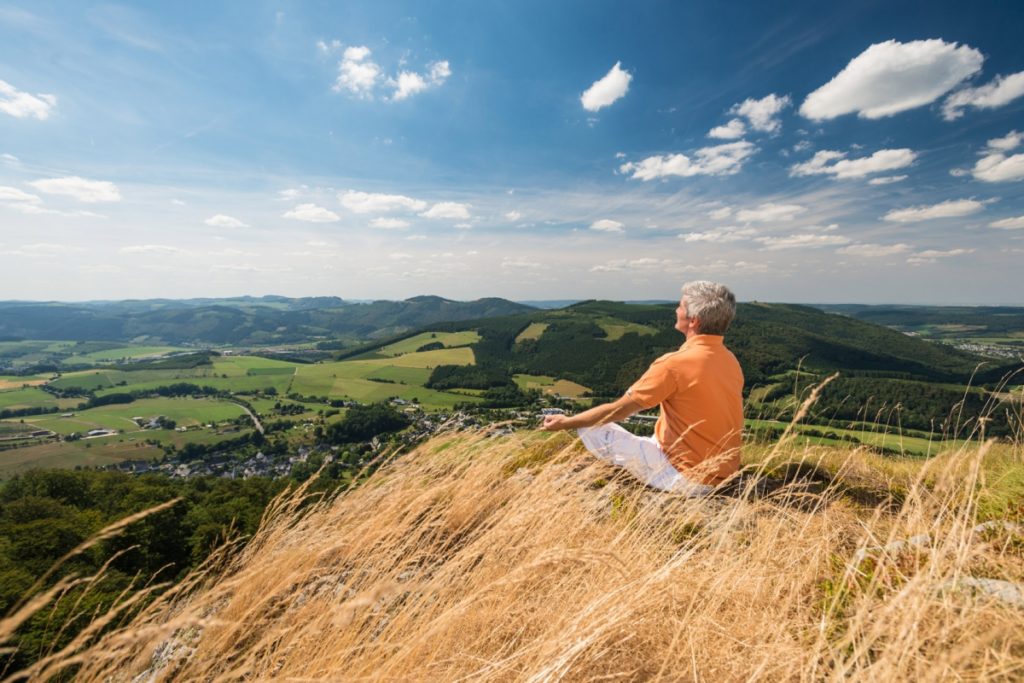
[(730, 131), (801, 241), (995, 166), (874, 250), (830, 162), (513, 215), (607, 90), (373, 202), (725, 159), (1016, 223), (88, 191), (311, 213), (1002, 90), (887, 180), (408, 83), (607, 225), (357, 73), (718, 235), (770, 212), (932, 255), (22, 105), (389, 223), (222, 221), (763, 114), (891, 77), (453, 210), (953, 208)]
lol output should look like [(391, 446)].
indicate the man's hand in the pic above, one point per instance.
[(555, 423)]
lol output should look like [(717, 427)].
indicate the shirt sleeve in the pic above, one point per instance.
[(654, 386)]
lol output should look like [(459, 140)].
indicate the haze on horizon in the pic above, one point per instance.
[(870, 153)]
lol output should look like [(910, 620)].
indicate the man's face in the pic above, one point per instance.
[(682, 322)]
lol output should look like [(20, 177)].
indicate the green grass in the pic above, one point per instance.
[(185, 411), (66, 455), (532, 331), (410, 345), (871, 435), (562, 387), (26, 398), (616, 328), (124, 352)]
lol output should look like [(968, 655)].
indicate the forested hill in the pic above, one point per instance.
[(242, 320), (606, 345)]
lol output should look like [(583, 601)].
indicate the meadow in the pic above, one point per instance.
[(523, 558)]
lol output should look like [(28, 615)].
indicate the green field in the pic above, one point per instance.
[(66, 455), (616, 328), (120, 353), (185, 411), (31, 397), (532, 331), (872, 435), (550, 385), (410, 345)]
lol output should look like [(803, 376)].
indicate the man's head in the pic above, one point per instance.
[(705, 308)]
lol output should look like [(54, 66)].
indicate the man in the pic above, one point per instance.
[(699, 389)]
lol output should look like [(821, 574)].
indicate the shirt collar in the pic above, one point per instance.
[(704, 340)]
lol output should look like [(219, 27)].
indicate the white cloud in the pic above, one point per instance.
[(440, 71), (932, 255), (995, 166), (150, 249), (89, 191), (389, 223), (874, 250), (408, 83), (327, 48), (10, 195), (724, 159), (372, 202), (1008, 223), (730, 131), (718, 235), (513, 215), (10, 158), (891, 77), (953, 208), (829, 162), (222, 221), (763, 113), (720, 214), (311, 213), (770, 212), (22, 105), (887, 180), (802, 146), (1001, 91), (802, 240), (607, 90), (453, 210), (357, 73), (463, 226), (606, 225)]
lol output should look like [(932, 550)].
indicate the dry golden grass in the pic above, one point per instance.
[(522, 558)]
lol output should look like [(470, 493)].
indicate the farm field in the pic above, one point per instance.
[(449, 339), (17, 381), (871, 435), (128, 352), (616, 328), (69, 454), (532, 331), (186, 412), (550, 385)]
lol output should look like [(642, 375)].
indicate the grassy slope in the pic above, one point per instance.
[(523, 558)]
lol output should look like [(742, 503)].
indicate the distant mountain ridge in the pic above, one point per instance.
[(237, 320)]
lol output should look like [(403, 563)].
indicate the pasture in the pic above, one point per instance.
[(128, 352), (532, 331), (70, 454), (410, 345), (187, 412), (616, 328), (550, 385)]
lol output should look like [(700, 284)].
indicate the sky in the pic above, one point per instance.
[(868, 152)]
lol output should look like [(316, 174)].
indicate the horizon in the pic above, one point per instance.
[(605, 151)]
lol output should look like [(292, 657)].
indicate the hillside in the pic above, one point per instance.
[(522, 558), (245, 320)]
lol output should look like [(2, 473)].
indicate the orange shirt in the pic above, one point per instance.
[(700, 390)]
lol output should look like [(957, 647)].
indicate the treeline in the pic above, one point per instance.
[(930, 407)]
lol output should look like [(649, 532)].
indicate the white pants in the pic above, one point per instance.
[(641, 456)]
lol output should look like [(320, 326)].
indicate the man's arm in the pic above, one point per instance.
[(598, 415)]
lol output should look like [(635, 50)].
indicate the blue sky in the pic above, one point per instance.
[(809, 152)]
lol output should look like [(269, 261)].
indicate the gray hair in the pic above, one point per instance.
[(711, 303)]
